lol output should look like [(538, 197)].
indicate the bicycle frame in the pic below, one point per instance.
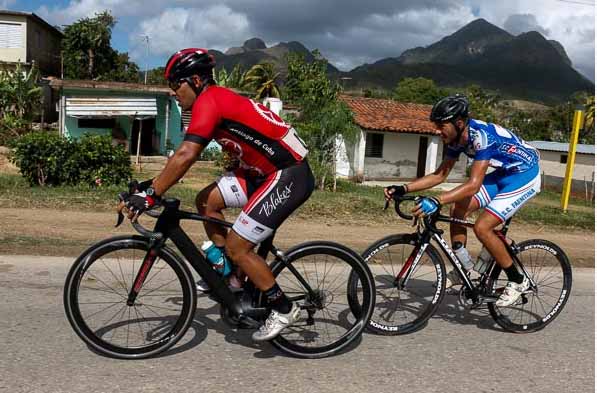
[(430, 231), (168, 227)]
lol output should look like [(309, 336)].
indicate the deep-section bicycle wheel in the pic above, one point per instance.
[(550, 269), (407, 309), (326, 325), (96, 292)]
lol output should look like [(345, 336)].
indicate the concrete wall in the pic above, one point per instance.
[(398, 161), (15, 54), (399, 157), (43, 47), (584, 165)]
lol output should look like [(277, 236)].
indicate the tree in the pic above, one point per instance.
[(418, 90), (261, 79), (88, 54), (234, 79), (323, 119), (20, 99), (483, 104), (589, 127), (124, 69), (156, 76)]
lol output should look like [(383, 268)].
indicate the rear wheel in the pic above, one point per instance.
[(327, 324), (97, 289), (401, 310), (550, 269)]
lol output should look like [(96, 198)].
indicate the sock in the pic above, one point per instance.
[(277, 299), (514, 275)]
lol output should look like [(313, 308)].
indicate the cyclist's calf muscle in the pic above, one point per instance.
[(242, 253)]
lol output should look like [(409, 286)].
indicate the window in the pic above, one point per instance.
[(96, 123), (564, 159), (374, 145), (11, 35)]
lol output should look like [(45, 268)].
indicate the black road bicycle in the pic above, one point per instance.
[(411, 279), (132, 297)]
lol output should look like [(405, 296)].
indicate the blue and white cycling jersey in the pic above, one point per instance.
[(503, 149)]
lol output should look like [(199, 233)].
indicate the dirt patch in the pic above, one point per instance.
[(68, 233)]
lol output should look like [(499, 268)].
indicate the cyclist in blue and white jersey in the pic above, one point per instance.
[(515, 180)]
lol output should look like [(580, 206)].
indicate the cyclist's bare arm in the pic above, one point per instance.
[(432, 179), (470, 187), (177, 166)]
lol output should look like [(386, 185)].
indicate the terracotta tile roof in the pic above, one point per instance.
[(389, 115)]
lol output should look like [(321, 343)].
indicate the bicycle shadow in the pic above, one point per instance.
[(207, 318), (450, 309)]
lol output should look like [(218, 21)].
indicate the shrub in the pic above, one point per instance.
[(46, 159), (211, 154), (101, 163)]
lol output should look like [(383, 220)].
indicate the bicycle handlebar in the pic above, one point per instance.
[(397, 201), (140, 228)]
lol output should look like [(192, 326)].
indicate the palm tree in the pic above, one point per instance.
[(590, 112), (261, 79)]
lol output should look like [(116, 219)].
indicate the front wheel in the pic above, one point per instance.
[(550, 269), (403, 307), (97, 305), (316, 276)]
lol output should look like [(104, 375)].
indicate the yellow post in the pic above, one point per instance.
[(576, 125)]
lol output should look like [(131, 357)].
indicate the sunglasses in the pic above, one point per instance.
[(176, 85)]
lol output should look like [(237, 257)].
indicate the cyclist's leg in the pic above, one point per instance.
[(281, 193), (210, 203), (276, 198), (461, 210), (229, 190), (515, 190)]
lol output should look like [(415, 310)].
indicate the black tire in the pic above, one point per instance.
[(401, 311), (326, 267), (550, 269), (101, 278)]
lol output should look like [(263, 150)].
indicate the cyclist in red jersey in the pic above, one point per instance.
[(273, 178)]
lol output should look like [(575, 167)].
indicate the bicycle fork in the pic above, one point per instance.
[(402, 278), (146, 266)]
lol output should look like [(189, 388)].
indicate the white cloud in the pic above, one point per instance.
[(348, 32), (216, 27), (77, 10)]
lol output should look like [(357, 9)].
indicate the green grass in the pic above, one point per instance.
[(352, 203)]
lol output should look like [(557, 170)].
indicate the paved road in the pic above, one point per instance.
[(456, 352)]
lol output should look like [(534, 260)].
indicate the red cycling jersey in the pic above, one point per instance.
[(249, 131)]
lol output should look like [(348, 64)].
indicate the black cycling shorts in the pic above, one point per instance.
[(266, 200)]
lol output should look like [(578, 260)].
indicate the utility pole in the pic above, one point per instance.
[(146, 38), (577, 123)]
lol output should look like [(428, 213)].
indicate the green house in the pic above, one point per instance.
[(145, 119)]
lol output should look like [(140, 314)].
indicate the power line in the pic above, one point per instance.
[(576, 2)]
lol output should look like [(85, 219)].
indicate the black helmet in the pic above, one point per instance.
[(188, 62), (449, 109)]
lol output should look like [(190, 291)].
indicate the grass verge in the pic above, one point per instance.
[(352, 203)]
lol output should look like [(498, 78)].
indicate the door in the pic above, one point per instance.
[(147, 132), (422, 159)]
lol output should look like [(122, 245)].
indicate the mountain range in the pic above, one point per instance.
[(525, 66)]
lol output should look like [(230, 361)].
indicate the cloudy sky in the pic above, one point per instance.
[(347, 32)]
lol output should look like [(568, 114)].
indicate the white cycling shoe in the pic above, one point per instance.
[(512, 293), (276, 322)]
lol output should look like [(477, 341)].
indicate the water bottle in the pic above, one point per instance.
[(217, 258), (483, 261), (463, 256)]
